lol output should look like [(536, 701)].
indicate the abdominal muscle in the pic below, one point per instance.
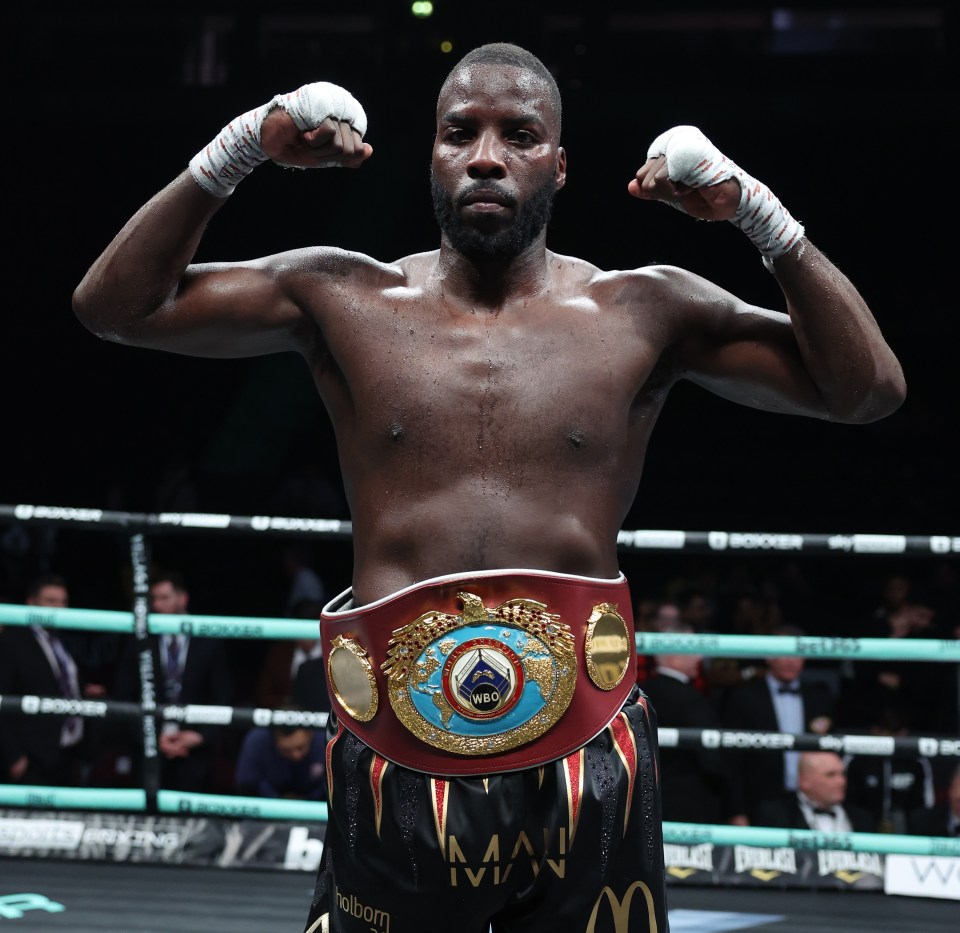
[(469, 525)]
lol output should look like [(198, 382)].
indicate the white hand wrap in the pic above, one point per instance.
[(696, 162), (232, 155), (311, 104), (235, 152)]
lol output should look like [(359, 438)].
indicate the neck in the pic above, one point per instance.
[(493, 282)]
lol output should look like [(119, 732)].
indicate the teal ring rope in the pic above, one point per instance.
[(257, 808), (736, 646), (648, 643)]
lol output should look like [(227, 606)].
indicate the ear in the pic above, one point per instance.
[(561, 167)]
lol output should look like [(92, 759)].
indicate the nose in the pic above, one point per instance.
[(486, 160)]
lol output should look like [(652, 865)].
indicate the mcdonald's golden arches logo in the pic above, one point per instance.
[(620, 910)]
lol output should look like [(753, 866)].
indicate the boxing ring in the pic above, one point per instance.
[(153, 859)]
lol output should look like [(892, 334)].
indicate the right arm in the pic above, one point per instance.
[(143, 289)]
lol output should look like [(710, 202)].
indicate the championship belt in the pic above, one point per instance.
[(478, 673)]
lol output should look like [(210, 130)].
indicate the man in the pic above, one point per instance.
[(818, 802), (188, 670), (777, 701), (34, 661), (282, 761), (492, 402), (696, 785)]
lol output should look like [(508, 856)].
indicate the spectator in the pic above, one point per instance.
[(696, 609), (922, 691), (942, 819), (890, 787), (696, 784), (282, 761), (43, 749), (819, 800), (777, 701), (663, 616), (751, 613), (190, 671), (283, 659)]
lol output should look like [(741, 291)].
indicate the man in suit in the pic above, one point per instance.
[(818, 802), (189, 671), (776, 701), (942, 819), (696, 785), (282, 761), (33, 661)]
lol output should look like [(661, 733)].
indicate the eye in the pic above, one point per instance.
[(456, 134), (523, 137)]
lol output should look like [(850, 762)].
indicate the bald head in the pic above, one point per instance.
[(821, 777), (510, 56)]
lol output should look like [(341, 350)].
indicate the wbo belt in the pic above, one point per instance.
[(478, 673)]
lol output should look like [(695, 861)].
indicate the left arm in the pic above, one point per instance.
[(852, 366), (828, 359)]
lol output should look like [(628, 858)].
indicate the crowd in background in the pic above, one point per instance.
[(822, 790)]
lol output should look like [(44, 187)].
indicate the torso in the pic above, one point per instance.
[(474, 439)]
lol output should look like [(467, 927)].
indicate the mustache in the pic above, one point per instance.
[(487, 187)]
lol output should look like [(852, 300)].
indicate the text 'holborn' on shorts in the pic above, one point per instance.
[(379, 920)]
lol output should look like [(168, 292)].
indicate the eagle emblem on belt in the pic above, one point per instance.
[(485, 681)]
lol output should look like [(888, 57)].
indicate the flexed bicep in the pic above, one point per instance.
[(224, 310), (742, 352), (753, 359)]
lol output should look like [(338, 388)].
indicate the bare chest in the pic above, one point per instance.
[(518, 383)]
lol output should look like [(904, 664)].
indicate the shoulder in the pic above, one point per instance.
[(333, 263), (650, 283), (680, 303)]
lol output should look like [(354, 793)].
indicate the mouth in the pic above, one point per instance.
[(486, 199)]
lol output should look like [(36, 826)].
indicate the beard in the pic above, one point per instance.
[(505, 242)]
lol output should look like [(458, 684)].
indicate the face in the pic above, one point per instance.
[(667, 617), (688, 664), (497, 163), (822, 778), (166, 598), (786, 670), (51, 596), (293, 747)]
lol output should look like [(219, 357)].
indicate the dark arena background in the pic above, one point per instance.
[(847, 110)]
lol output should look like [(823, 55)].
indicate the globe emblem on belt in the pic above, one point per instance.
[(482, 678)]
